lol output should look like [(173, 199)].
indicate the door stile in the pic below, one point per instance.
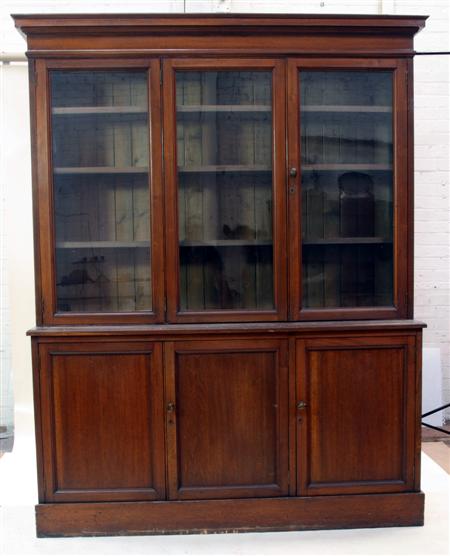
[(302, 418), (170, 420), (156, 192), (294, 190)]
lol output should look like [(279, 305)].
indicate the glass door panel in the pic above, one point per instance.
[(224, 162), (100, 147), (346, 148)]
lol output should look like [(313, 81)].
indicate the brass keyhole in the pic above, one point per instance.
[(171, 413)]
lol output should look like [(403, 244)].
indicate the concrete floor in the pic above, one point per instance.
[(18, 494), (438, 452)]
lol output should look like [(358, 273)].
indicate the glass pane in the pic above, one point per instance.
[(347, 188), (101, 193), (224, 155)]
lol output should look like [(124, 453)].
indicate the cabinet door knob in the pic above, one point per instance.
[(293, 172), (170, 407), (301, 405)]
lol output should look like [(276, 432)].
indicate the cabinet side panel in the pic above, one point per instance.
[(38, 419)]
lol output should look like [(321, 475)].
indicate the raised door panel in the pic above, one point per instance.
[(102, 419), (356, 415), (227, 419)]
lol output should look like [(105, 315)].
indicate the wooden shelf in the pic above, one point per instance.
[(76, 110), (212, 108), (226, 243), (347, 241), (84, 298), (346, 108), (224, 168), (349, 167), (100, 170), (101, 244)]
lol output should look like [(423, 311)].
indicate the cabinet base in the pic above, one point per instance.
[(229, 516)]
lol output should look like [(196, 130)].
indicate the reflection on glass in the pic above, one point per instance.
[(224, 155), (101, 196), (347, 188)]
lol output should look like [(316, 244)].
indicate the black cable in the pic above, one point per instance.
[(443, 53), (436, 410)]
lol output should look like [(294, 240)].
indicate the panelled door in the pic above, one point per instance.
[(357, 413), (227, 418), (224, 148), (102, 420)]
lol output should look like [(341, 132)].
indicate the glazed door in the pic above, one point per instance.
[(356, 415), (226, 418), (102, 421), (101, 217), (224, 145), (348, 189)]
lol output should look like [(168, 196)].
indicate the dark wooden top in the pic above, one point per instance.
[(222, 23), (149, 32), (173, 330)]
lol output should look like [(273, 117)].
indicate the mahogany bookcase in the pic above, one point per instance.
[(223, 210)]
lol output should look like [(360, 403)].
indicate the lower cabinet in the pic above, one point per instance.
[(198, 424)]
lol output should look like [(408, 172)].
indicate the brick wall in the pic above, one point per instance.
[(432, 200)]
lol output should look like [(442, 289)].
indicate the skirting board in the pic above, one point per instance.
[(243, 515)]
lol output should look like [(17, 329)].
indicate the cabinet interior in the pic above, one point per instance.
[(347, 179), (224, 159), (100, 124)]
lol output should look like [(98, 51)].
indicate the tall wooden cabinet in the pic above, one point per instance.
[(223, 236)]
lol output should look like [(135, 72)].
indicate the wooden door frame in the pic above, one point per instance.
[(278, 190), (43, 205), (402, 191)]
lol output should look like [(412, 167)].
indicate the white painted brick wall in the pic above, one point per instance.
[(6, 390), (432, 143), (432, 201)]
